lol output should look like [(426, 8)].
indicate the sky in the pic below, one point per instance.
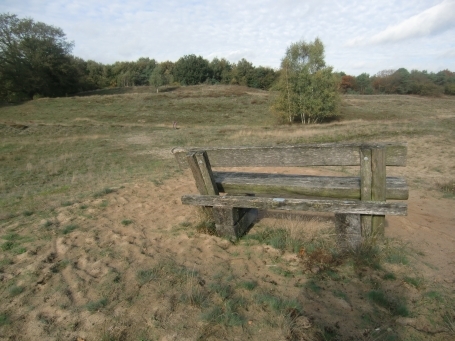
[(358, 35)]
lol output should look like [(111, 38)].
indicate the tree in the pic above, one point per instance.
[(363, 84), (243, 73), (34, 59), (348, 83), (192, 70), (308, 89), (221, 71), (160, 76)]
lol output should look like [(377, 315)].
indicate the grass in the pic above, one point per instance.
[(78, 152), (228, 314), (69, 228), (416, 282), (449, 319), (4, 319), (248, 285), (145, 276), (103, 192), (94, 306), (224, 290), (383, 299), (389, 276), (278, 304), (447, 188), (15, 290)]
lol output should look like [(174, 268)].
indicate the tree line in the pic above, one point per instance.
[(399, 81), (36, 61)]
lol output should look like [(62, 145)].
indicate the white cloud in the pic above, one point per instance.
[(257, 30), (432, 21)]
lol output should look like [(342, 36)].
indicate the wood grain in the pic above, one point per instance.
[(303, 185), (317, 205), (325, 154)]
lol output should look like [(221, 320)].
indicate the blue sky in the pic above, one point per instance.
[(359, 35)]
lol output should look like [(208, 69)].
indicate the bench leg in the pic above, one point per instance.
[(349, 233), (231, 222)]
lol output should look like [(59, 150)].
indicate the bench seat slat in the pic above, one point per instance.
[(317, 205), (304, 185)]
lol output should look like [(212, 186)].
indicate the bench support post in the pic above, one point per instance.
[(372, 188), (230, 222), (348, 230), (353, 229)]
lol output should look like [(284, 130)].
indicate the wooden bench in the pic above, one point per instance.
[(359, 203)]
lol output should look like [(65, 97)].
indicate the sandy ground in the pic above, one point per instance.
[(141, 224)]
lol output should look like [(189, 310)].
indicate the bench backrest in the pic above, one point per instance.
[(303, 155)]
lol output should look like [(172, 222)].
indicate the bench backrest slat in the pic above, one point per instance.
[(304, 155)]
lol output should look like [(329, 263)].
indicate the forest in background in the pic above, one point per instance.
[(36, 61)]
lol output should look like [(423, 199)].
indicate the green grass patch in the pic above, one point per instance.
[(228, 314), (196, 296), (282, 271), (5, 262), (15, 290), (206, 227), (394, 305), (448, 188), (19, 250), (67, 203), (389, 276), (60, 266), (69, 228), (7, 246), (127, 222), (145, 276), (4, 319), (313, 286), (276, 237), (277, 304), (434, 295), (416, 282), (48, 223), (11, 236), (368, 255), (185, 224), (167, 270), (103, 192), (340, 294), (223, 290), (396, 254), (96, 305), (248, 285)]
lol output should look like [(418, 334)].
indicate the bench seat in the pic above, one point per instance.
[(303, 185)]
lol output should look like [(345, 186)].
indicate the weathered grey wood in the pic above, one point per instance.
[(203, 176), (354, 219), (206, 172), (348, 228), (223, 217), (326, 154), (228, 216), (378, 186), (365, 188), (197, 175), (317, 205), (303, 185)]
